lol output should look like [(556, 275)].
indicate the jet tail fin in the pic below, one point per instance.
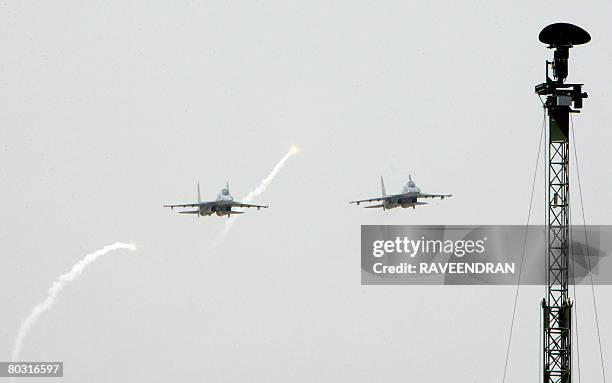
[(382, 184), (199, 196)]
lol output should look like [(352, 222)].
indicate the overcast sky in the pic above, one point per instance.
[(108, 110)]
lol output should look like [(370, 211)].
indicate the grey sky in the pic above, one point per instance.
[(109, 110)]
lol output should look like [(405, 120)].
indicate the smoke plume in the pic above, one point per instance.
[(293, 150), (56, 288)]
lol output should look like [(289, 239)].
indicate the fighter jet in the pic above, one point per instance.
[(407, 198), (221, 206)]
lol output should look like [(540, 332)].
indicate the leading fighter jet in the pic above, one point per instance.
[(221, 206), (407, 198)]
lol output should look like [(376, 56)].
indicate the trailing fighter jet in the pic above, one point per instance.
[(221, 206), (407, 198)]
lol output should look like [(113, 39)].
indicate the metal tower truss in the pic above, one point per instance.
[(560, 99), (557, 305)]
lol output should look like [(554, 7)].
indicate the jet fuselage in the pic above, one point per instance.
[(407, 199), (404, 201), (222, 206)]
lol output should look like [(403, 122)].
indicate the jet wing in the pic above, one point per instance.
[(190, 205), (375, 206), (377, 199), (240, 204), (425, 195)]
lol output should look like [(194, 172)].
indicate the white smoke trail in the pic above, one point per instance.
[(293, 150), (56, 288)]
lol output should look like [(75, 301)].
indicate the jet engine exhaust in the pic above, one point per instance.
[(293, 150), (57, 287)]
